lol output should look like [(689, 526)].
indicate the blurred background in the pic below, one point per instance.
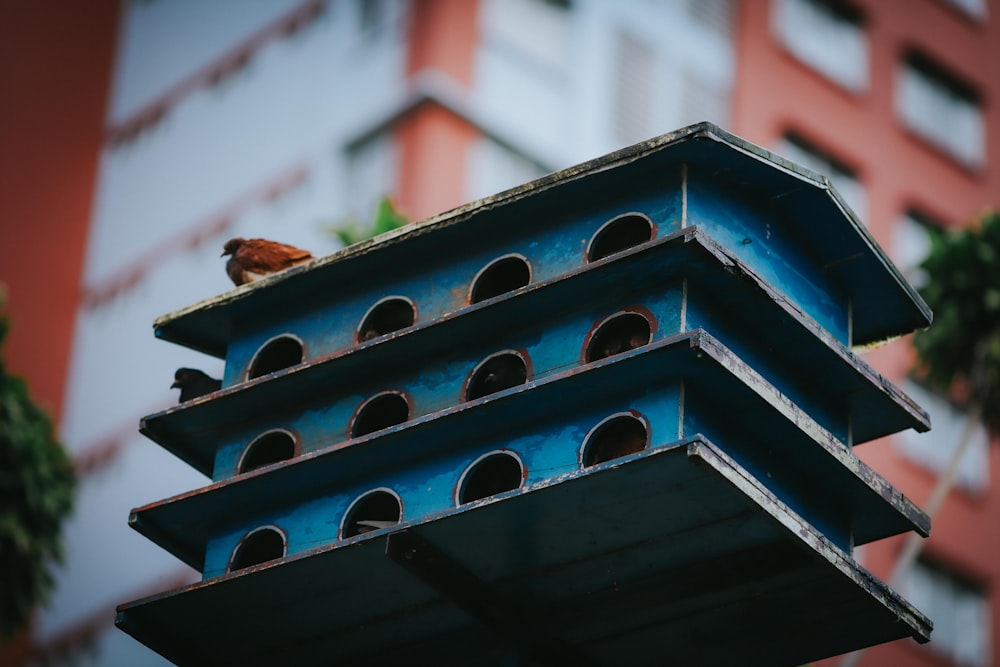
[(137, 136)]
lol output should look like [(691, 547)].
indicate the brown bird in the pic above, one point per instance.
[(194, 383), (252, 259)]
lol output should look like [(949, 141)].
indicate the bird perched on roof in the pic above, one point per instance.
[(252, 259), (194, 383)]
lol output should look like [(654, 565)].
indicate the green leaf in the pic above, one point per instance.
[(961, 349), (386, 219), (37, 484)]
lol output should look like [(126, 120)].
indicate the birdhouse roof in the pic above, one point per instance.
[(804, 204)]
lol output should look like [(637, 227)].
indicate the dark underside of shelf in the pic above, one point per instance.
[(674, 555)]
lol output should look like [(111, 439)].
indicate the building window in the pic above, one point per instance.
[(843, 177), (377, 15), (934, 449), (960, 611), (973, 8), (911, 243), (372, 168), (538, 30), (716, 15), (828, 36), (671, 64), (494, 167), (702, 99), (940, 109), (636, 79)]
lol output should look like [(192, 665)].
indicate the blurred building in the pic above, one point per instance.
[(143, 135)]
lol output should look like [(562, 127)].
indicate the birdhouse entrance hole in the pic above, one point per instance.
[(379, 412), (616, 436), (266, 449), (258, 546), (374, 510), (496, 373), (490, 475), (617, 234), (275, 355), (500, 276), (389, 314), (618, 334)]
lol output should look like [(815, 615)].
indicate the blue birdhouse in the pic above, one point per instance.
[(595, 419)]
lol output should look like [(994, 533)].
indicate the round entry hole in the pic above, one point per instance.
[(388, 315), (496, 373), (619, 234), (258, 546), (277, 354), (379, 412), (490, 475), (271, 447), (374, 510), (618, 334), (615, 437), (500, 276)]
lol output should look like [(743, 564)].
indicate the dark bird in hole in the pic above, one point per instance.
[(616, 445), (369, 334), (497, 375), (501, 378), (194, 383), (252, 259), (619, 344)]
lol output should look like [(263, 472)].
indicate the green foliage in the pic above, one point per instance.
[(36, 494), (387, 218), (959, 354)]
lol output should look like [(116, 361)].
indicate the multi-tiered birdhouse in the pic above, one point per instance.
[(603, 418)]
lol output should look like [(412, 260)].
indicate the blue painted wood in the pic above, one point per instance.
[(753, 284), (553, 239), (686, 384), (717, 549), (778, 250), (317, 400)]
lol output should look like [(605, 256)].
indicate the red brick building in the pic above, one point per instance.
[(899, 104), (117, 116)]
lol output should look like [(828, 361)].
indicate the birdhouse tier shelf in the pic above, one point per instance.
[(608, 411), (677, 283), (676, 547), (671, 389)]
